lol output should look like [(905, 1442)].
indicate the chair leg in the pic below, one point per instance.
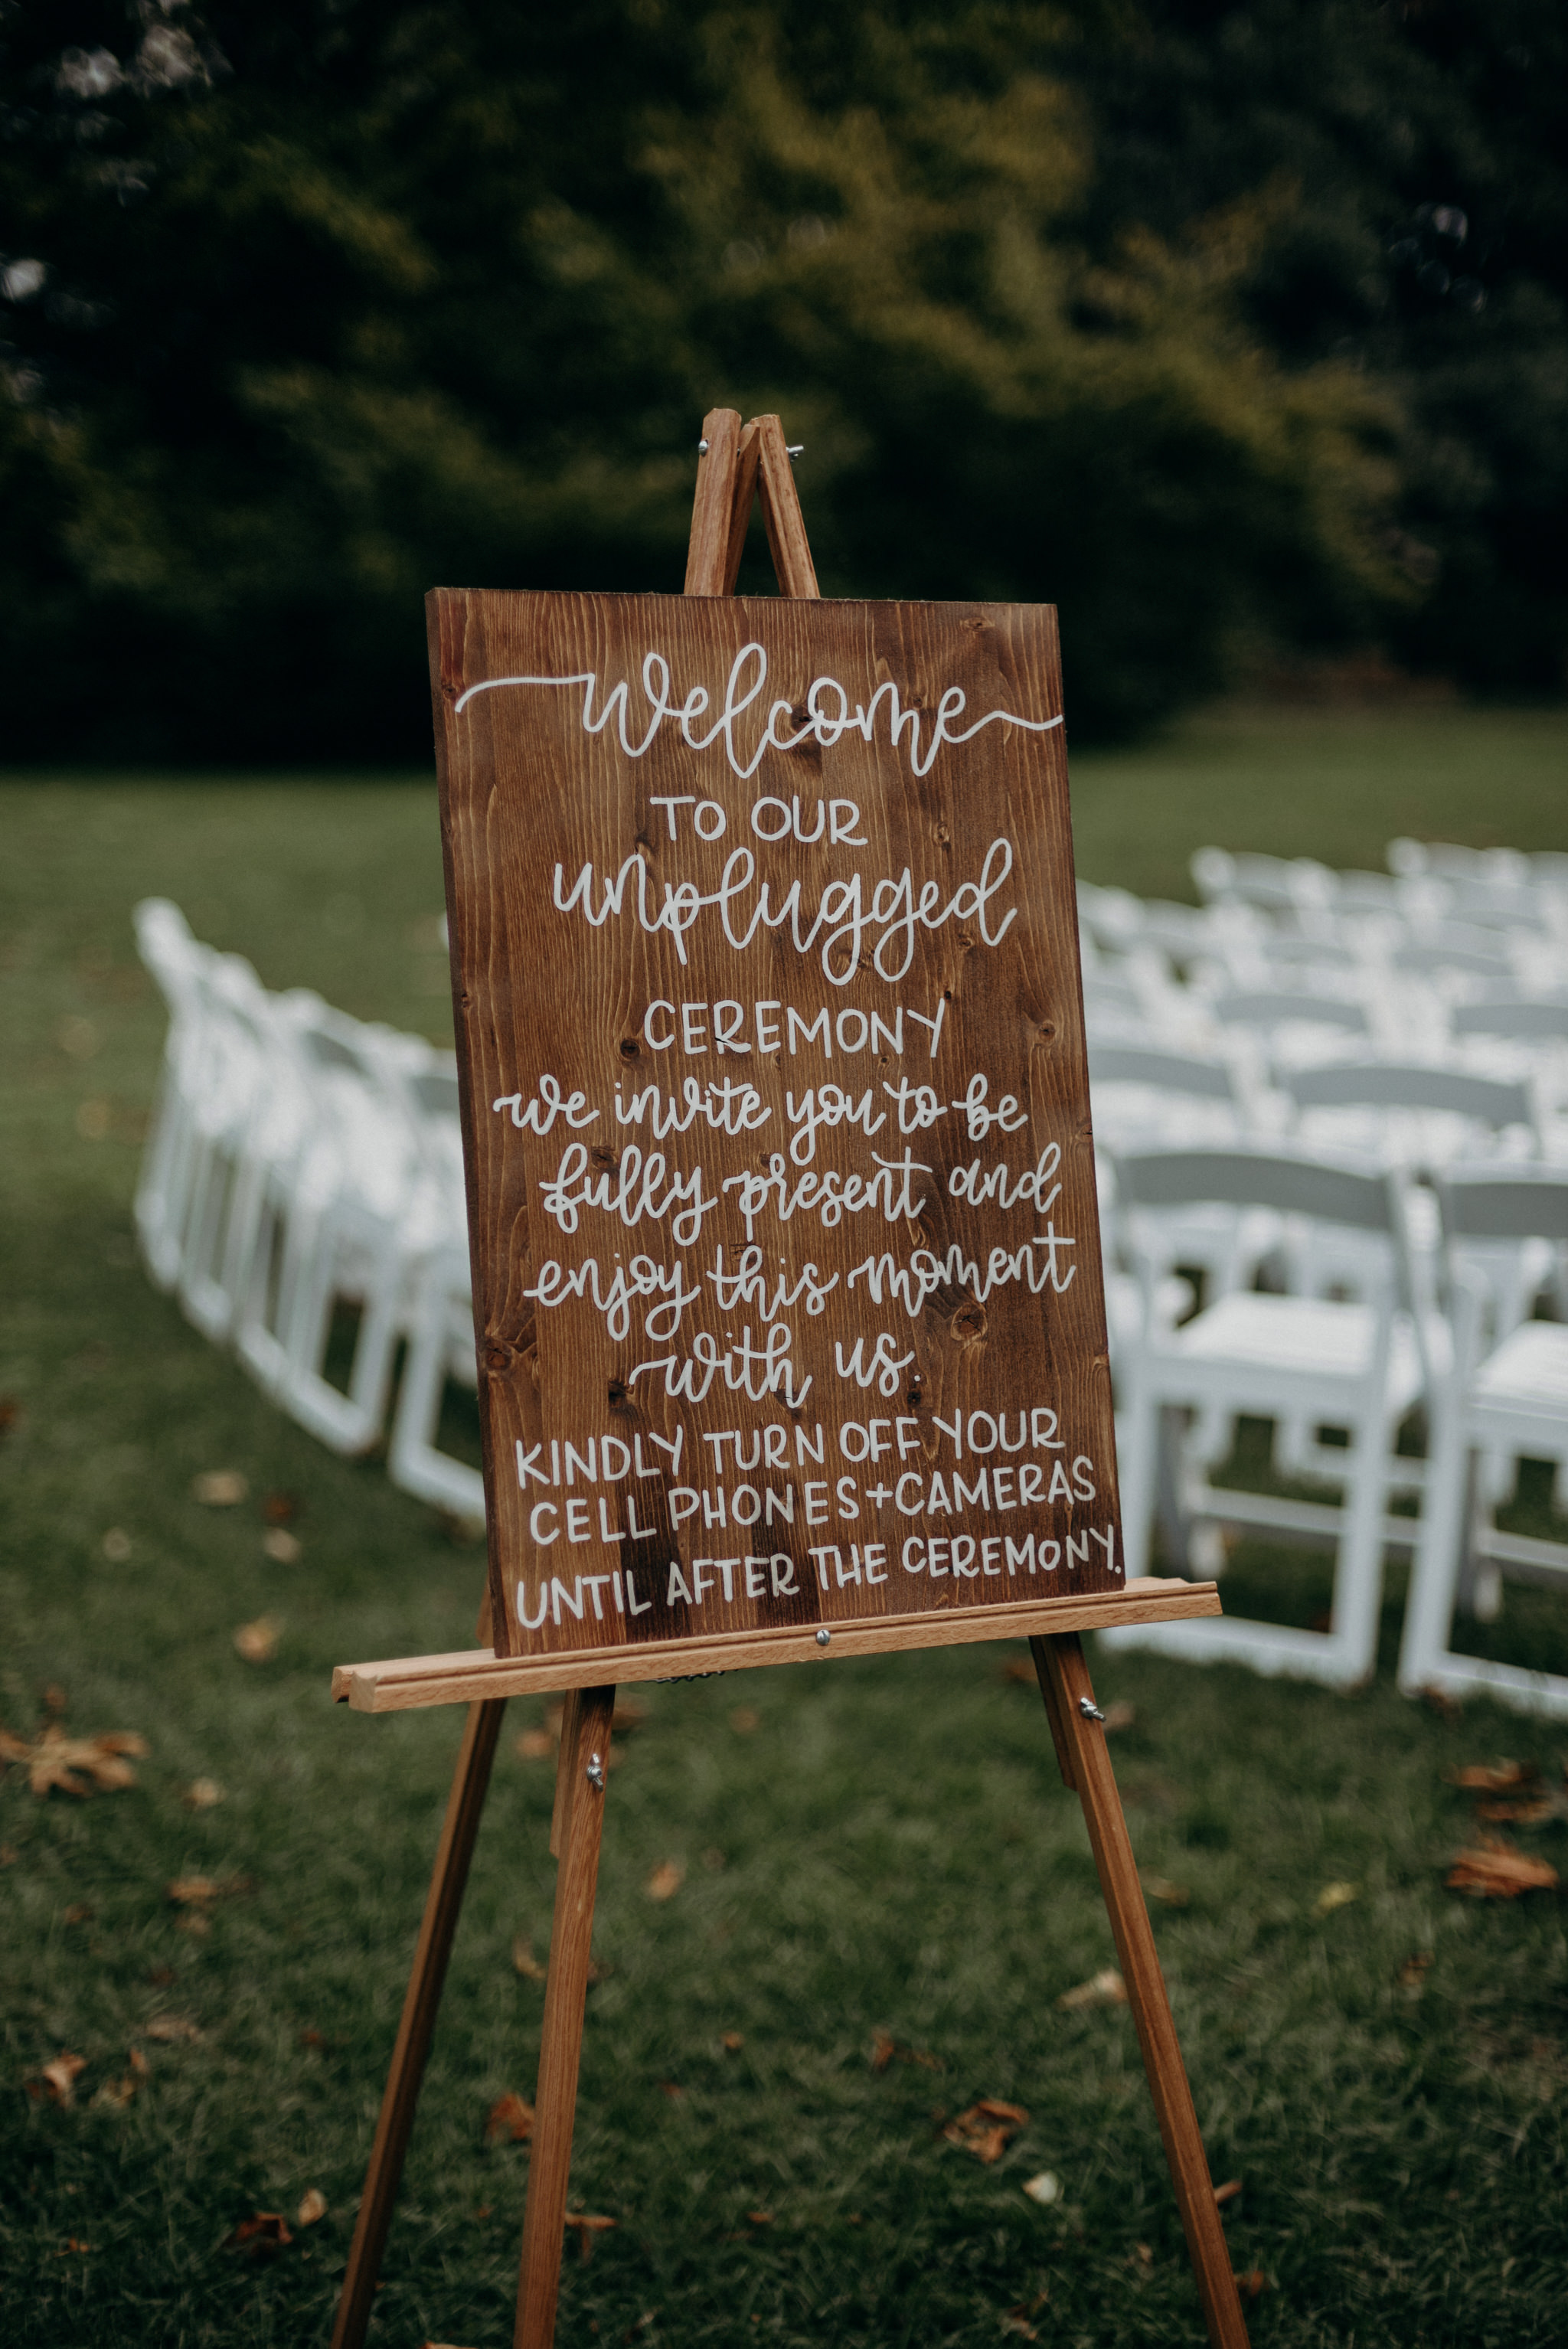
[(1435, 1574), (1358, 1568)]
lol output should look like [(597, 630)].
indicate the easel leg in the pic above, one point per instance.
[(465, 1805), (1065, 1685), (579, 1822)]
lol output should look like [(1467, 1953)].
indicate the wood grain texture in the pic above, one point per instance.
[(1060, 1661), (443, 1903), (527, 791), (403, 1683), (565, 1991), (712, 519), (781, 515), (742, 498)]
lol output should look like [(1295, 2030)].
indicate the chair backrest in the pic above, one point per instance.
[(1273, 884), (1518, 1020), (1290, 1182), (1386, 1084), (1478, 962), (1285, 1006), (1482, 1205), (1175, 1072)]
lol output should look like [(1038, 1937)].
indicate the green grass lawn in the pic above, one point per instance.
[(871, 1847)]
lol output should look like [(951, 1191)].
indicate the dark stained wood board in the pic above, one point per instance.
[(850, 1470)]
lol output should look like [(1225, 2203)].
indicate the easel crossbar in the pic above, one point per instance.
[(406, 1683)]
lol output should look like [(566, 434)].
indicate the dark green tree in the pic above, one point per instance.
[(306, 306)]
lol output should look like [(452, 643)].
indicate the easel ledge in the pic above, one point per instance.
[(404, 1683)]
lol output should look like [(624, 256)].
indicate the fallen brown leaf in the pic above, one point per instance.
[(732, 2043), (263, 2232), (202, 1794), (78, 1913), (759, 2218), (10, 1412), (671, 2089), (57, 2080), (1119, 1715), (1446, 1707), (1412, 1974), (509, 2117), (9, 1855), (1104, 1989), (281, 1547), (1533, 1812), (1253, 2284), (1497, 1871), (985, 2129), (257, 1643), (1494, 1777), (587, 2226), (1227, 2192), (312, 2039), (220, 1488), (196, 1891), (171, 2029), (312, 2206), (535, 1744), (1020, 1675), (281, 1508), (745, 1719), (54, 1760), (665, 1880), (628, 1715), (524, 1960), (885, 2048), (121, 2092), (72, 2244), (1171, 1895)]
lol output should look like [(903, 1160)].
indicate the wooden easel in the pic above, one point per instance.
[(736, 464)]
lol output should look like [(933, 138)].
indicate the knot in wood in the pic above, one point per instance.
[(969, 1323)]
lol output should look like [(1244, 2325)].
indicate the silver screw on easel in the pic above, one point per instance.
[(702, 448), (595, 1772), (823, 1636), (1090, 1710)]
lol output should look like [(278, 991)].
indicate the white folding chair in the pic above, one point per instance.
[(1354, 1363), (357, 1223), (1505, 1399)]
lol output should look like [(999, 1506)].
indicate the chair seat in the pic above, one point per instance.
[(1302, 1338), (1527, 1378)]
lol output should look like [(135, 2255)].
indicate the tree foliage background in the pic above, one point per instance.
[(1228, 328)]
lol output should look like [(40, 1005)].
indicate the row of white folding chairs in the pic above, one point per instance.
[(1354, 1331), (299, 1158)]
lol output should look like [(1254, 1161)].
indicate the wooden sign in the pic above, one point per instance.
[(785, 1248)]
